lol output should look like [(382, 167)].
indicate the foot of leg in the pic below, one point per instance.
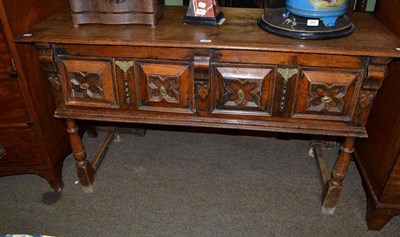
[(377, 218), (334, 186), (311, 148), (83, 167), (117, 134), (330, 198), (53, 178)]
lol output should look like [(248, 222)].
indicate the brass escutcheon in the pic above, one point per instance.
[(124, 65), (84, 86), (240, 94), (326, 99), (287, 73), (163, 90)]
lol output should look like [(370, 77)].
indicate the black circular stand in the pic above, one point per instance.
[(296, 26)]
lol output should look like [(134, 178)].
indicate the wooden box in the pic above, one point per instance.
[(116, 11)]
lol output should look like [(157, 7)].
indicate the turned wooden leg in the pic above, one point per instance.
[(334, 187), (84, 168)]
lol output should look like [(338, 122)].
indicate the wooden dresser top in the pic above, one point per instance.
[(240, 31)]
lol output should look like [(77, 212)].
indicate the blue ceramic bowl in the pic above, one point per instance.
[(326, 10)]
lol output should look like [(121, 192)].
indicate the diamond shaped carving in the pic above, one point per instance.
[(163, 88), (242, 93), (326, 94), (335, 98), (88, 82), (84, 84), (243, 88)]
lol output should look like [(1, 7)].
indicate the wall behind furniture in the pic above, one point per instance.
[(173, 2), (371, 5)]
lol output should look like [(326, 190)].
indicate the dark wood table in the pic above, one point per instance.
[(231, 76)]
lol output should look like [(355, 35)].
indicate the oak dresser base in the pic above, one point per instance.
[(232, 76)]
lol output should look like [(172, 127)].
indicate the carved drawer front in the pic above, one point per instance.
[(165, 87), (18, 147), (329, 95), (88, 83), (13, 108), (242, 89)]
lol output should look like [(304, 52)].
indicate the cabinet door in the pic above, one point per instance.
[(18, 147), (165, 87), (12, 104), (327, 95), (6, 63), (242, 89), (89, 82)]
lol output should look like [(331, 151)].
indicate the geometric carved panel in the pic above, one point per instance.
[(241, 93), (242, 88), (325, 97), (84, 84), (327, 94), (165, 86), (88, 83)]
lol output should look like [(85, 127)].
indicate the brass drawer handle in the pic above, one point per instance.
[(326, 99), (2, 152), (163, 90), (240, 94), (84, 86)]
